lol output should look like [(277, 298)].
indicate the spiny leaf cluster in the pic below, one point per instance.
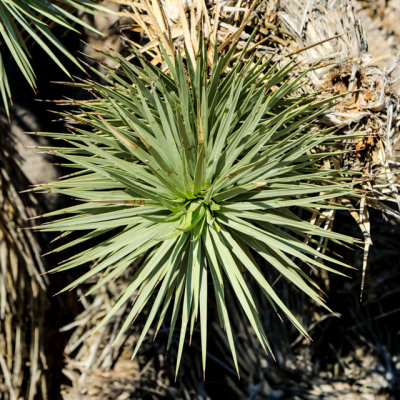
[(185, 176), (21, 19)]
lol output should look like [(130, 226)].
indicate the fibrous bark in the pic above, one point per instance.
[(23, 299)]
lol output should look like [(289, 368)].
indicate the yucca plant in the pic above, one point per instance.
[(187, 178), (20, 20)]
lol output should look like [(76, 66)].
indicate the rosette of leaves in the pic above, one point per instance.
[(186, 178), (21, 20)]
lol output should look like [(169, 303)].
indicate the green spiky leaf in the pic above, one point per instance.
[(21, 19)]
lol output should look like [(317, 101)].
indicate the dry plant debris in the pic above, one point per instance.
[(23, 300)]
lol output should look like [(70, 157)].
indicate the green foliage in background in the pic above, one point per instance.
[(186, 177), (21, 21)]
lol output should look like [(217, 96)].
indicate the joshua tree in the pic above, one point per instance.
[(212, 161)]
